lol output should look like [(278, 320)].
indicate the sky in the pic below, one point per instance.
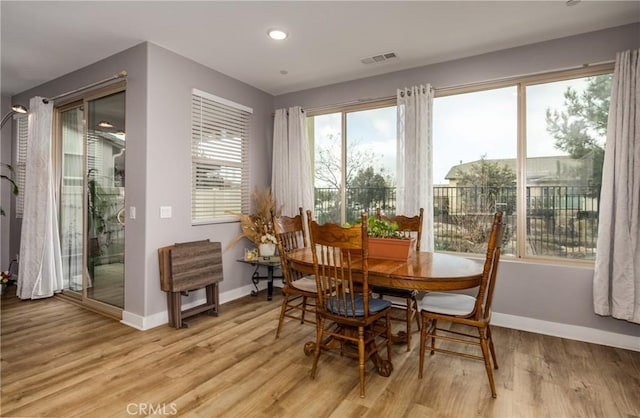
[(465, 126)]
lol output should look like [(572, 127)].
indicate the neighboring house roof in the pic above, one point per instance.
[(539, 169), (457, 171)]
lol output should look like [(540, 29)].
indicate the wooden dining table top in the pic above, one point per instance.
[(425, 271)]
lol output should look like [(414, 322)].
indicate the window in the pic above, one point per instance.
[(219, 157), (21, 160), (474, 170), (566, 133), (533, 148), (354, 172)]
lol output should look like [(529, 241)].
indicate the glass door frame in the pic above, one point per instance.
[(81, 297)]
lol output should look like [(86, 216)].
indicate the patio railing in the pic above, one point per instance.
[(562, 221)]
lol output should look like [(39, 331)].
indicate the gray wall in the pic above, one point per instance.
[(171, 80), (158, 163), (134, 61), (559, 54), (540, 291), (6, 202)]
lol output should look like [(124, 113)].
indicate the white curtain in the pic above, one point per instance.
[(40, 261), (291, 184), (415, 157), (616, 281)]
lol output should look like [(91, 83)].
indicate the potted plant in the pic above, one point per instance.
[(386, 241), (267, 246)]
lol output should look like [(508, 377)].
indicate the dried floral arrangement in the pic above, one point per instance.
[(258, 224)]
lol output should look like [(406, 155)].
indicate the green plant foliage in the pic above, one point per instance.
[(378, 228), (98, 205), (14, 187), (580, 128)]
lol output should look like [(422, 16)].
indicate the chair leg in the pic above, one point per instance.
[(491, 348), (487, 362), (304, 308), (423, 343), (361, 359), (417, 311), (389, 336), (432, 332), (316, 351), (283, 309), (410, 313)]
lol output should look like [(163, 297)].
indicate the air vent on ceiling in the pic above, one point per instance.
[(379, 58)]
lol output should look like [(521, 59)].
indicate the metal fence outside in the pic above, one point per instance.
[(562, 221)]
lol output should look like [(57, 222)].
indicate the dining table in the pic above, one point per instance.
[(421, 271)]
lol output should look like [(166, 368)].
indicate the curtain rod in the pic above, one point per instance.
[(345, 104), (444, 90), (526, 78), (121, 74)]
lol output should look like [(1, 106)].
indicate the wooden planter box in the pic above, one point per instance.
[(391, 248)]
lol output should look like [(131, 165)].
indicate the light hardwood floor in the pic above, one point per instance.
[(61, 360)]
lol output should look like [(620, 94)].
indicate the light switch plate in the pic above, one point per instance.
[(132, 212), (165, 211)]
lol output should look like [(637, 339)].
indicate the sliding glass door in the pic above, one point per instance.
[(91, 138), (71, 192)]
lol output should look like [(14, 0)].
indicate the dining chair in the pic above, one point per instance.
[(404, 301), (299, 290), (465, 310), (347, 316)]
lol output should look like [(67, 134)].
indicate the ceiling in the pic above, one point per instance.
[(41, 41)]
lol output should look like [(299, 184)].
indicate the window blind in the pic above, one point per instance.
[(21, 162), (219, 157)]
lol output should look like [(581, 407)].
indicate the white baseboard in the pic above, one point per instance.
[(556, 329), (572, 332), (144, 323), (136, 321)]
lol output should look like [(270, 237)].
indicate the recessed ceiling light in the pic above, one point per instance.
[(284, 72), (572, 2), (277, 34)]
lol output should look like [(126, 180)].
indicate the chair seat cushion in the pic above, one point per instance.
[(375, 305), (447, 303), (306, 284), (398, 302)]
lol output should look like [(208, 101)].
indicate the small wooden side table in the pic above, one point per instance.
[(190, 266)]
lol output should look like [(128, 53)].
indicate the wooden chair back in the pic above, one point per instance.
[(290, 231), (490, 270), (336, 250), (409, 226), (290, 234)]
